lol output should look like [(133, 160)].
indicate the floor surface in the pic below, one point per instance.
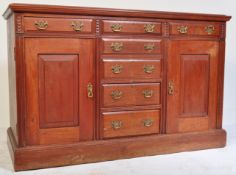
[(208, 162)]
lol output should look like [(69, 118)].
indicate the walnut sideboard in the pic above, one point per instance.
[(94, 84)]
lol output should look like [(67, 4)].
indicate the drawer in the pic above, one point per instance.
[(131, 69), (131, 27), (51, 24), (130, 123), (131, 94), (135, 46), (195, 28)]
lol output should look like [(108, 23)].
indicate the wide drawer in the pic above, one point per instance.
[(131, 27), (195, 28), (135, 46), (52, 24), (131, 94), (131, 69), (130, 123)]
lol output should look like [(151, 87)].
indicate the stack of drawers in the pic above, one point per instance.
[(131, 64)]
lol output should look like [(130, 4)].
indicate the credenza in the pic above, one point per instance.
[(96, 84)]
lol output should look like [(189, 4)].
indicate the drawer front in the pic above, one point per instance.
[(115, 95), (46, 24), (146, 46), (131, 27), (202, 29), (130, 123), (131, 69)]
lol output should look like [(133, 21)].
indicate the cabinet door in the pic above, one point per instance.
[(192, 85), (58, 72)]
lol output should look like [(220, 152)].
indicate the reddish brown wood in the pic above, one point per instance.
[(37, 157), (195, 28), (132, 123), (192, 68), (131, 95), (110, 12), (132, 46), (56, 121), (58, 24), (130, 27)]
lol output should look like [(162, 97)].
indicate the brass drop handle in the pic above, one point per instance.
[(41, 25), (116, 95), (148, 122), (77, 26), (148, 69), (116, 27), (90, 90), (170, 87), (149, 47), (183, 29), (149, 28), (116, 69), (117, 46), (116, 124), (210, 29), (147, 93)]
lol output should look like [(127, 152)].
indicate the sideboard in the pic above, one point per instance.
[(96, 84)]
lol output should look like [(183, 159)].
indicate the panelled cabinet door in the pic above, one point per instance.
[(59, 73), (192, 85)]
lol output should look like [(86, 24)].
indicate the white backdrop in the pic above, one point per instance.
[(227, 7)]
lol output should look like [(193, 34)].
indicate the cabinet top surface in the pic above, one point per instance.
[(91, 11)]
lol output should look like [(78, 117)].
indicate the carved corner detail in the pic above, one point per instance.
[(19, 27)]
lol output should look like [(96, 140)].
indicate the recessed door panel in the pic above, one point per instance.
[(58, 71), (192, 85), (58, 90)]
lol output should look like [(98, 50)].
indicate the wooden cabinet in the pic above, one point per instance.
[(90, 84)]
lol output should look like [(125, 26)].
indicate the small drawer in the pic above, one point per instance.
[(131, 27), (46, 24), (195, 28), (146, 46), (131, 69), (115, 95), (130, 123)]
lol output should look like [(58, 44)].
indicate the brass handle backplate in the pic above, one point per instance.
[(77, 26), (183, 29), (41, 25), (116, 47), (90, 90), (149, 28), (116, 27), (147, 93), (148, 69), (148, 122), (116, 124), (210, 29), (116, 69), (116, 95), (149, 47), (170, 87)]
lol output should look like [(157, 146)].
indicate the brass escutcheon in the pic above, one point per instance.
[(116, 69), (170, 87), (149, 47), (117, 94), (149, 28), (41, 25), (90, 90), (210, 29), (148, 122), (116, 124), (116, 27), (147, 93), (77, 26), (183, 29), (148, 69), (116, 47)]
